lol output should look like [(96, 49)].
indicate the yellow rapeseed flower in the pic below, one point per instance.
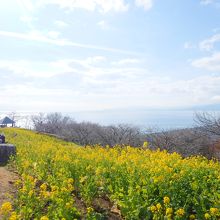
[(70, 180), (145, 144), (64, 189), (207, 216), (68, 205), (153, 208), (6, 208), (54, 188), (70, 187), (13, 216), (43, 187), (213, 211), (166, 200), (158, 206), (180, 212), (111, 166), (169, 211), (30, 193), (18, 182), (192, 217), (44, 218), (89, 210)]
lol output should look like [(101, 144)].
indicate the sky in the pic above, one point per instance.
[(93, 55)]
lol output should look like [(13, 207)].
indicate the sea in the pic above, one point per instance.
[(145, 119)]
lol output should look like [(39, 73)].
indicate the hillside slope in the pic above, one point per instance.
[(60, 180)]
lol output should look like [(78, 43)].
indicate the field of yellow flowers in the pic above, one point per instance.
[(139, 184)]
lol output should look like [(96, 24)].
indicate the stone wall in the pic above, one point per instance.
[(6, 150)]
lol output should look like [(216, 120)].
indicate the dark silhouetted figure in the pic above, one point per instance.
[(2, 138)]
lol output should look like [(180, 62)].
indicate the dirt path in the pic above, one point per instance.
[(7, 178)]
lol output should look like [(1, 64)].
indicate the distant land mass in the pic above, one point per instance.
[(212, 107)]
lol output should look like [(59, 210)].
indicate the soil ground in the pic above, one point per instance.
[(7, 179), (8, 192)]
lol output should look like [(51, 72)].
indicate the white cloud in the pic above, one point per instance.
[(101, 86), (189, 45), (31, 69), (103, 25), (53, 34), (67, 65), (216, 98), (46, 70), (61, 23), (195, 91), (98, 68), (27, 19), (94, 59), (90, 5), (30, 90), (147, 4), (26, 5), (34, 36), (110, 80), (208, 44), (216, 3), (52, 38), (34, 98), (206, 2), (102, 6), (127, 61), (211, 63)]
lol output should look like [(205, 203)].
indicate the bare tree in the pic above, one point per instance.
[(87, 133), (39, 122), (13, 115), (186, 142), (208, 123)]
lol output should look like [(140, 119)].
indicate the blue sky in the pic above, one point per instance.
[(90, 55)]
